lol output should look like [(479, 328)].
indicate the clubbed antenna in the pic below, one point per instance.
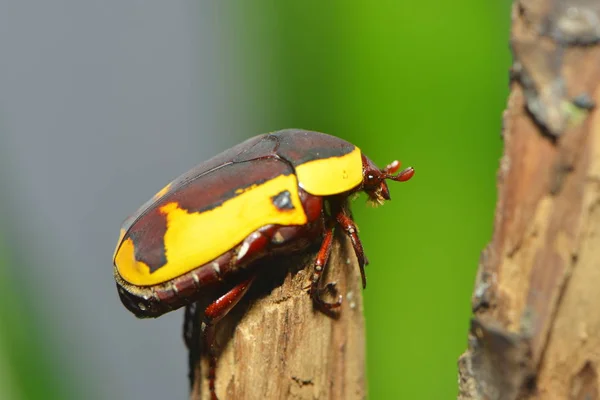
[(403, 176)]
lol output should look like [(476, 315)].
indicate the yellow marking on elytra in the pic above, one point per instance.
[(333, 175), (162, 191), (126, 262), (193, 239)]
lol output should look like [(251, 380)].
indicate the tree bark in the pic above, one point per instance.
[(275, 345), (535, 333)]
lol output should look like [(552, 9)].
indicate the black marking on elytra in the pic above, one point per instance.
[(298, 146), (214, 189), (283, 200), (148, 237)]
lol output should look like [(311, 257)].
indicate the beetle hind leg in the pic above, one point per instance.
[(191, 337), (213, 314)]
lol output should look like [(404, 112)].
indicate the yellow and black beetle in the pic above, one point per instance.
[(272, 194)]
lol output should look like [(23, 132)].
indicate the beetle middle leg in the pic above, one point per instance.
[(213, 314), (316, 290)]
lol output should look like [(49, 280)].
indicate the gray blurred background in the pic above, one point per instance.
[(104, 102), (101, 103)]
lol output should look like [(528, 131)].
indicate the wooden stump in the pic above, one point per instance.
[(275, 345)]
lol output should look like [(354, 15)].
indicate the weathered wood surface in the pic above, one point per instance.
[(275, 345), (535, 333)]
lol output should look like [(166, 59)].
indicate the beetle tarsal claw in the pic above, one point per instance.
[(330, 287), (326, 306)]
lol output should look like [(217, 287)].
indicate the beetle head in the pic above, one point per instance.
[(374, 184)]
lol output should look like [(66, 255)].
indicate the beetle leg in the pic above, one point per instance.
[(191, 337), (320, 263), (213, 314), (348, 225)]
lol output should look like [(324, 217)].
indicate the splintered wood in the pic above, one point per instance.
[(275, 345), (535, 332)]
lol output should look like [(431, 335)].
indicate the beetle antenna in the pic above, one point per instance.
[(402, 176), (392, 167)]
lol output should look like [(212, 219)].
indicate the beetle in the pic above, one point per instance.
[(275, 193)]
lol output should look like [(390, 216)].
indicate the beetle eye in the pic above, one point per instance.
[(369, 177)]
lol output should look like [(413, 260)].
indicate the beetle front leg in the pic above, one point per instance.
[(348, 225), (320, 262), (213, 314)]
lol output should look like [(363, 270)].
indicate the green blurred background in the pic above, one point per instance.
[(421, 82), (424, 83)]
